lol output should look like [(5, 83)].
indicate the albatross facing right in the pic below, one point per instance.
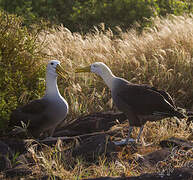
[(141, 103), (45, 113)]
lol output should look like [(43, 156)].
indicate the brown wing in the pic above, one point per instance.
[(165, 94), (27, 112), (142, 99)]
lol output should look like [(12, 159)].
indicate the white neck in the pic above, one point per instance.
[(51, 85), (108, 77)]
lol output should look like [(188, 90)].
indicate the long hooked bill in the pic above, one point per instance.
[(60, 71), (83, 69)]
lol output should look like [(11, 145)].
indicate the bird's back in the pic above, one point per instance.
[(142, 99)]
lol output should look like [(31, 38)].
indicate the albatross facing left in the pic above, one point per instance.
[(45, 113), (141, 103)]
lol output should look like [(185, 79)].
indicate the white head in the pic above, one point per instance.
[(51, 67), (54, 68), (100, 69)]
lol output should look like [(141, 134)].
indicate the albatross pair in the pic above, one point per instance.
[(141, 103), (46, 113)]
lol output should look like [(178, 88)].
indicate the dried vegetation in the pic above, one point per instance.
[(161, 56)]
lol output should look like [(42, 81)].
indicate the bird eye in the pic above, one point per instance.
[(52, 63)]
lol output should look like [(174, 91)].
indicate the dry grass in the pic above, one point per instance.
[(161, 56), (63, 165), (57, 162)]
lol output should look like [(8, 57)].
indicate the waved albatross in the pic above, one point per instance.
[(141, 103), (46, 113)]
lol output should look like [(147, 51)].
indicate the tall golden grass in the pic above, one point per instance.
[(161, 55)]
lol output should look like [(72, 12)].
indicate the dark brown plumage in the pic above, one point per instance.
[(30, 115), (141, 103)]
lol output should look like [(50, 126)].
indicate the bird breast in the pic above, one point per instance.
[(58, 109)]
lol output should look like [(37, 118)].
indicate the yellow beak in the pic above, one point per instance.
[(60, 71), (83, 69)]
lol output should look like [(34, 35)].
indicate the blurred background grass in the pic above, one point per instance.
[(160, 56), (139, 45), (143, 41)]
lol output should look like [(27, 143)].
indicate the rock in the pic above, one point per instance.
[(5, 163), (94, 146), (176, 174), (151, 159), (95, 122), (176, 142)]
